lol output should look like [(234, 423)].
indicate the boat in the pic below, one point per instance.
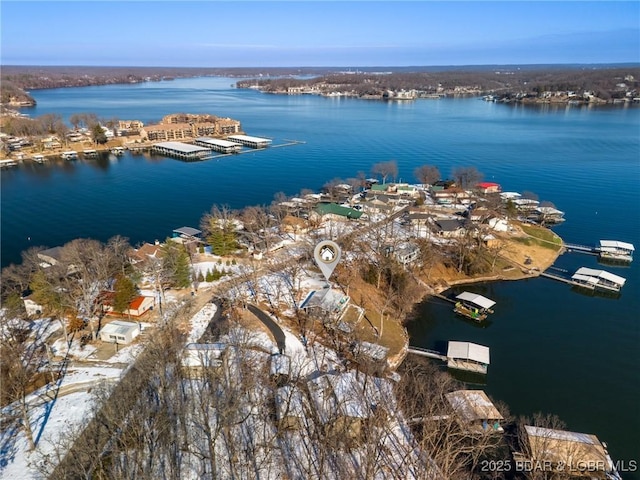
[(473, 306), (615, 250)]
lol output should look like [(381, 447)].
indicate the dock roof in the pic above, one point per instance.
[(609, 245), (249, 138), (216, 141), (189, 231), (473, 405), (181, 147), (476, 299), (570, 448), (468, 351), (591, 275)]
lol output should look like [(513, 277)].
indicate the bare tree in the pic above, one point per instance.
[(466, 177), (386, 169), (427, 174)]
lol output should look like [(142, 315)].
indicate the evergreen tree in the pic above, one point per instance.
[(125, 291), (176, 264)]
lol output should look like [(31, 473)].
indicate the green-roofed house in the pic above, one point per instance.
[(336, 211)]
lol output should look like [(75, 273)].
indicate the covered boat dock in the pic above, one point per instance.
[(615, 250), (222, 146), (252, 142), (183, 151), (468, 356), (598, 279), (473, 306)]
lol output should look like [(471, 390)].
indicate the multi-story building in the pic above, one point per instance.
[(180, 126)]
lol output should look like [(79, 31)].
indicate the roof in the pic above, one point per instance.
[(449, 225), (216, 141), (570, 448), (598, 274), (335, 209), (476, 299), (488, 184), (137, 302), (468, 351), (327, 299), (472, 405), (614, 244), (249, 138), (181, 147), (118, 327), (189, 231), (54, 253)]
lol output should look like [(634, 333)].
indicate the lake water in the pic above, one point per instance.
[(553, 349)]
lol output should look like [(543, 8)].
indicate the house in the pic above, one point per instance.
[(488, 187), (474, 412), (119, 332), (579, 454), (327, 300), (449, 228), (336, 212), (341, 405), (137, 307), (146, 252), (295, 225), (51, 256), (406, 253)]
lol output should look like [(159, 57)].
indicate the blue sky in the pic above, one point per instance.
[(306, 33)]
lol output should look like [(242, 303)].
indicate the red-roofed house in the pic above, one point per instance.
[(138, 306), (489, 187)]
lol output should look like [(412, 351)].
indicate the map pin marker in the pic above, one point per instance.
[(327, 256)]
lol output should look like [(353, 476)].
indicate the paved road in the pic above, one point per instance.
[(275, 329)]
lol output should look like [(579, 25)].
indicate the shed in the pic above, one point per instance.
[(119, 332)]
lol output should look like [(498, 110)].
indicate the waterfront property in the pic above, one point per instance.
[(468, 356), (251, 142), (474, 412), (473, 306), (183, 151), (615, 250), (598, 279), (580, 454), (222, 146)]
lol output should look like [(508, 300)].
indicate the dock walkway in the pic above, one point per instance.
[(427, 353)]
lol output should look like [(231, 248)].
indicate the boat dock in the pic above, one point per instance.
[(590, 279), (466, 356), (6, 163), (606, 249)]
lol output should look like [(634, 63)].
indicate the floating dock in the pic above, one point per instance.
[(251, 142), (606, 249), (70, 155), (473, 306), (90, 153), (466, 356), (591, 279), (183, 151), (222, 146), (6, 163)]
